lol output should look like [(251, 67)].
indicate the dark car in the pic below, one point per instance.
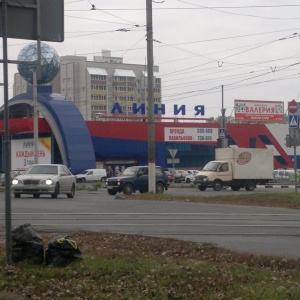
[(134, 179)]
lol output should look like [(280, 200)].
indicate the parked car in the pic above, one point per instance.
[(134, 179), (91, 175), (191, 177), (51, 179), (179, 175), (282, 175), (170, 176)]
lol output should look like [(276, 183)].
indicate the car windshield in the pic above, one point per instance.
[(129, 172), (42, 170), (211, 166)]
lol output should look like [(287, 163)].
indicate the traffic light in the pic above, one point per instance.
[(288, 141)]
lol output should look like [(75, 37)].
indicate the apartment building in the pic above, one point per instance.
[(96, 86)]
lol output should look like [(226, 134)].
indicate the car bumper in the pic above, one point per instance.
[(33, 189)]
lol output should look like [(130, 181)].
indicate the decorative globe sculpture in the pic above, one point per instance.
[(50, 63)]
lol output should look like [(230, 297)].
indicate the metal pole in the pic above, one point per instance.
[(151, 125), (7, 154), (35, 119), (295, 159), (37, 75)]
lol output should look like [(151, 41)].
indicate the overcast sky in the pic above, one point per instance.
[(251, 47)]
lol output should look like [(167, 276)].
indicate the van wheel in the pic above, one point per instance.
[(250, 186), (217, 186), (103, 179)]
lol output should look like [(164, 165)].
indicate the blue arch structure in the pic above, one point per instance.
[(67, 125)]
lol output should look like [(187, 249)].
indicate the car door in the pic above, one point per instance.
[(142, 179), (224, 172)]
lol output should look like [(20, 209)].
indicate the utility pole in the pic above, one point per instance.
[(151, 124), (224, 140), (7, 144)]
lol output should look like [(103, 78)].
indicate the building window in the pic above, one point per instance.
[(98, 97), (98, 87), (120, 88), (98, 77), (120, 78)]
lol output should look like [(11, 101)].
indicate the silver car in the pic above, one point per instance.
[(51, 179)]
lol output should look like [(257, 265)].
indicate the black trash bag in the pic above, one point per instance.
[(27, 244), (61, 251)]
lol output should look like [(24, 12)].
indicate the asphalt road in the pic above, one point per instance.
[(257, 230)]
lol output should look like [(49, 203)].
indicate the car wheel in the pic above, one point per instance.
[(128, 189), (17, 195), (188, 180), (160, 188), (112, 192), (56, 191), (250, 186), (217, 186), (202, 188), (103, 179), (36, 195), (72, 194)]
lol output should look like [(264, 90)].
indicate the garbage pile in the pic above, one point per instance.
[(27, 245)]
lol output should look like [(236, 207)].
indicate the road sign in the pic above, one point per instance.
[(22, 20), (173, 161), (292, 106), (222, 133), (293, 121), (173, 152)]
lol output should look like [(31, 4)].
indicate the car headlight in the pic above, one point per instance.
[(46, 181), (15, 181), (49, 181)]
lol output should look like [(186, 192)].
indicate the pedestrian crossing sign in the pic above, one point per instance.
[(293, 121), (222, 133)]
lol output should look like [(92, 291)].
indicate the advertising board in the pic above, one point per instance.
[(22, 153), (185, 134), (253, 110)]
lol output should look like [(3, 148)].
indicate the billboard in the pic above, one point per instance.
[(185, 134), (260, 111), (22, 153)]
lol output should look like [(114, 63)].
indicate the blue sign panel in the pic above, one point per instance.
[(222, 133), (293, 121)]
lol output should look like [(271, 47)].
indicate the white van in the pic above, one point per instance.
[(91, 175)]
